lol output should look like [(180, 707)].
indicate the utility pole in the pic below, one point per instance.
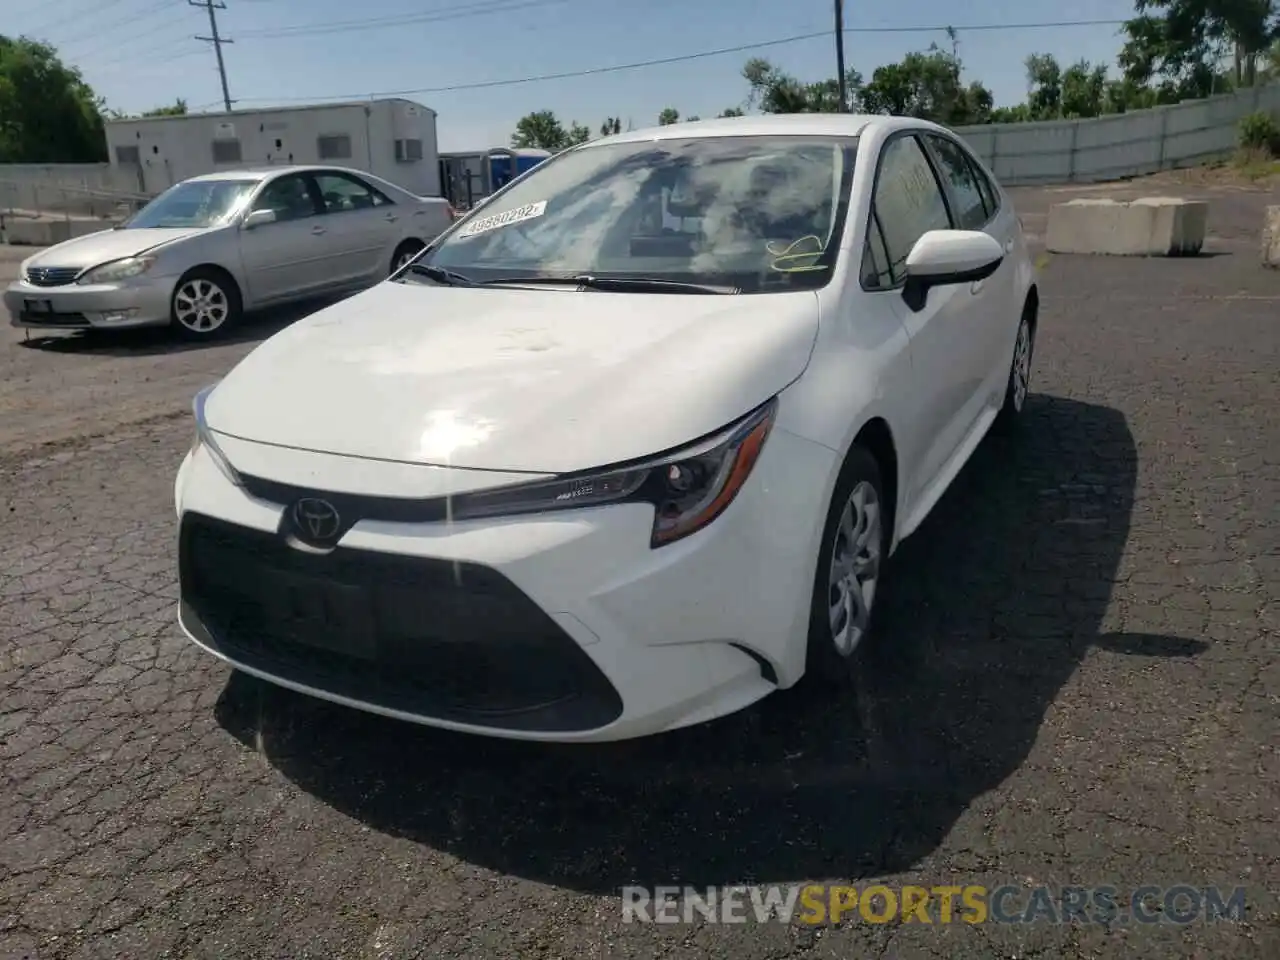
[(217, 42), (844, 90)]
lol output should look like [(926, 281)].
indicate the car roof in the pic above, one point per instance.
[(773, 124), (262, 173)]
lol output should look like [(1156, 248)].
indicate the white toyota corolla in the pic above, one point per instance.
[(625, 448)]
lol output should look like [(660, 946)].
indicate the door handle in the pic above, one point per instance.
[(391, 218), (316, 231)]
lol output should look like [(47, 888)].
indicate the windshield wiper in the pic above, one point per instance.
[(634, 284), (441, 275)]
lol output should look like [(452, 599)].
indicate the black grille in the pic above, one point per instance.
[(430, 637), (52, 276)]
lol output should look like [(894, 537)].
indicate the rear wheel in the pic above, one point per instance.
[(404, 253), (855, 545), (1019, 383), (205, 304)]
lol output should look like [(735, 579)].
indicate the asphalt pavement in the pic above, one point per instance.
[(1077, 684)]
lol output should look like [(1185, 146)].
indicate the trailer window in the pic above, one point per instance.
[(334, 147), (226, 151)]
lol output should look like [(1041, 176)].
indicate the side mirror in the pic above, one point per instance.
[(944, 257), (258, 218)]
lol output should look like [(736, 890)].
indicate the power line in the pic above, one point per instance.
[(685, 58), (217, 42), (122, 21), (461, 12), (84, 11), (113, 66), (122, 54)]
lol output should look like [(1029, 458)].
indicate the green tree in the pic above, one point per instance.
[(1084, 90), (927, 85), (1018, 113), (611, 126), (1180, 42), (540, 130), (176, 109), (1044, 86), (731, 112), (577, 134), (48, 114), (668, 116), (1269, 64), (775, 91)]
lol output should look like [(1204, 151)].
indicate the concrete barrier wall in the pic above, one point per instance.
[(64, 189), (86, 176), (1124, 145)]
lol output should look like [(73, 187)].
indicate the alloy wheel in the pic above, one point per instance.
[(854, 569), (201, 305), (1022, 365)]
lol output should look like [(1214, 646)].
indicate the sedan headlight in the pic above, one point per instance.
[(688, 488), (204, 438), (117, 270)]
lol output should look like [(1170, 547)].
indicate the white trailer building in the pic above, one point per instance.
[(394, 139)]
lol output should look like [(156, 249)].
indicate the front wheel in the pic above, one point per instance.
[(854, 547), (205, 304)]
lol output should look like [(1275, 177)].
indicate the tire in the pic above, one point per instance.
[(404, 253), (1017, 386), (205, 304), (832, 654)]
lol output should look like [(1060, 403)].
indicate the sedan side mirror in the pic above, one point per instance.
[(945, 257), (258, 218)]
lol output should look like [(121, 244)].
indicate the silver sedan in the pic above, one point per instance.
[(214, 246)]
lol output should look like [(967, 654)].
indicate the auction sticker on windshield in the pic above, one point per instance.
[(528, 212)]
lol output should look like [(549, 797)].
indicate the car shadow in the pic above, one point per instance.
[(991, 607), (154, 341)]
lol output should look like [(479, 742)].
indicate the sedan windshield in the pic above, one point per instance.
[(743, 214), (195, 203)]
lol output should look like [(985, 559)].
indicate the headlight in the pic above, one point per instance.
[(117, 270), (688, 488), (204, 438)]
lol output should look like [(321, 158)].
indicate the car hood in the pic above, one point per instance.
[(96, 248), (543, 381)]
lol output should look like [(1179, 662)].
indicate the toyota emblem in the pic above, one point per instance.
[(316, 520)]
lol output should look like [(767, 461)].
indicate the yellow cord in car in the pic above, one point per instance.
[(793, 258)]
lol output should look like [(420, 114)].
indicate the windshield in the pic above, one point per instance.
[(759, 214), (195, 203)]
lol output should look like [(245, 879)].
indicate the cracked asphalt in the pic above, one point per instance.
[(1077, 684)]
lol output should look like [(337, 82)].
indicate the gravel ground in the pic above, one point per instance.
[(1078, 684)]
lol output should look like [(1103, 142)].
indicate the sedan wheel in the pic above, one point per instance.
[(403, 255), (201, 306), (849, 574), (1021, 374), (1019, 382), (854, 568)]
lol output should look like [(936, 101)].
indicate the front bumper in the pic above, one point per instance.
[(557, 627), (137, 303)]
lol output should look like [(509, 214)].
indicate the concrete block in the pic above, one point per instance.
[(45, 233), (1271, 238), (1149, 227)]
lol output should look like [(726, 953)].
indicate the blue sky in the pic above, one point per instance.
[(141, 53)]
